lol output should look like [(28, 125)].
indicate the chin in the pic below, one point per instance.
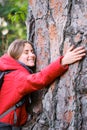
[(31, 65)]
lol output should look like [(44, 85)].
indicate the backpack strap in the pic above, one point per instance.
[(2, 73), (19, 104)]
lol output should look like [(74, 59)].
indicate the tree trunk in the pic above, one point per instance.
[(52, 26)]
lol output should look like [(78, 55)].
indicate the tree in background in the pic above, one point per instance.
[(53, 26), (12, 21)]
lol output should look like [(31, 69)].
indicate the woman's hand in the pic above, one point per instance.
[(72, 55)]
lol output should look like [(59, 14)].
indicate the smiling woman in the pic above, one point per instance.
[(17, 84), (28, 57), (22, 51)]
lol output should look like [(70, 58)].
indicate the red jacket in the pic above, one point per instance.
[(20, 82)]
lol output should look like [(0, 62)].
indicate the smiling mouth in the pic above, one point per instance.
[(31, 60)]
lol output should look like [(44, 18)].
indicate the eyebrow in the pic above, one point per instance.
[(28, 50)]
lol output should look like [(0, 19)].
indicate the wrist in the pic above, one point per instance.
[(63, 62)]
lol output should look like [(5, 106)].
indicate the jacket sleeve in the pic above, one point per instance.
[(45, 76)]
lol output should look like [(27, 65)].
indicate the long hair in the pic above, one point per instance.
[(15, 49)]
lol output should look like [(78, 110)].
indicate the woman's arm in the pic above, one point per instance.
[(55, 69)]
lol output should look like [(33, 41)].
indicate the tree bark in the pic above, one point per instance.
[(52, 26)]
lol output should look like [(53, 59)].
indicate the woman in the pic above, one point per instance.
[(21, 81)]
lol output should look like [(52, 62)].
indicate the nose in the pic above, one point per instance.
[(32, 55)]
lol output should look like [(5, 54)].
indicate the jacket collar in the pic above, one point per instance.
[(26, 67)]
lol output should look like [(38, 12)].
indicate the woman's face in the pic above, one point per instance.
[(28, 57)]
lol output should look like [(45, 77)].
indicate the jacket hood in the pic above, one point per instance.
[(8, 63)]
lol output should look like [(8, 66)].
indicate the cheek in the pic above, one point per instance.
[(34, 57), (22, 59)]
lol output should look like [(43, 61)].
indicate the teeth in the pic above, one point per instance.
[(30, 60)]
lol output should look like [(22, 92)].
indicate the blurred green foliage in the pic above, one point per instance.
[(13, 14)]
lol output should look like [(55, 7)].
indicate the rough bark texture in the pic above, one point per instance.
[(54, 25)]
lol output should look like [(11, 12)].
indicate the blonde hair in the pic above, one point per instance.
[(16, 48)]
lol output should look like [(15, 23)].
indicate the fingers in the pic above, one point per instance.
[(80, 52), (79, 55), (72, 55), (78, 58), (78, 49), (71, 48)]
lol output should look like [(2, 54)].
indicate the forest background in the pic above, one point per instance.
[(13, 15)]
